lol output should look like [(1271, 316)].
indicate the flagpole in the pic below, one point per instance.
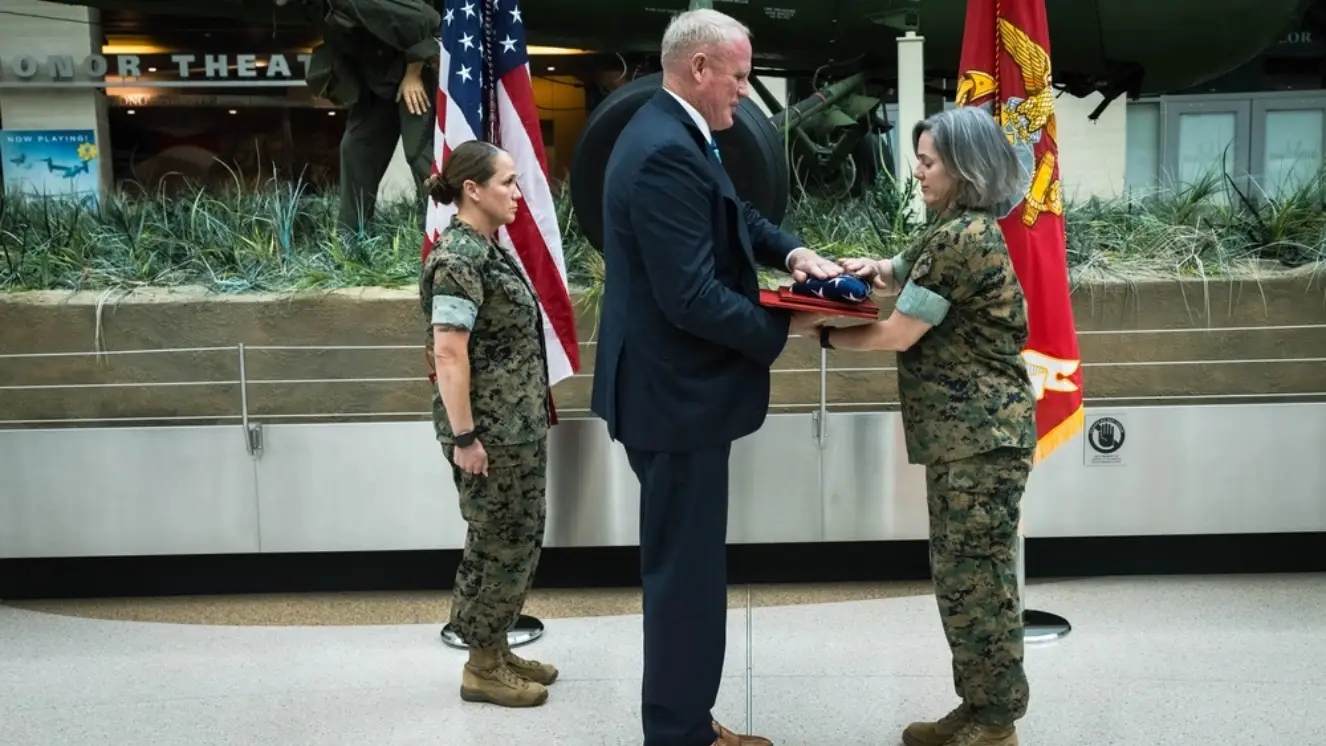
[(1012, 37), (527, 628), (1037, 626)]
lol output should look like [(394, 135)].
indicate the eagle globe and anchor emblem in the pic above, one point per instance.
[(1025, 120)]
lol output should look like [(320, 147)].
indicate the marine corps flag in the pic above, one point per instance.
[(1005, 68)]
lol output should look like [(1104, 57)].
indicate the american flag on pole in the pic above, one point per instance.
[(484, 92)]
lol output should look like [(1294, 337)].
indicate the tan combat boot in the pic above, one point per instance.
[(487, 678), (540, 673), (938, 733), (975, 734)]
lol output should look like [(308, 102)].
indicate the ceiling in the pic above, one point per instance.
[(130, 27)]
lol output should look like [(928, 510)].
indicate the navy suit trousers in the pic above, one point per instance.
[(683, 568)]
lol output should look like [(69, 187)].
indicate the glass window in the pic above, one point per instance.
[(1291, 150), (1142, 138), (1206, 145)]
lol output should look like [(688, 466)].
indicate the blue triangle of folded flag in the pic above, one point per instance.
[(843, 288)]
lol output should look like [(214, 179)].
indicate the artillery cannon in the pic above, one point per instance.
[(844, 52)]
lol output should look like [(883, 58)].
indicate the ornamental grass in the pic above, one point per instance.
[(280, 235)]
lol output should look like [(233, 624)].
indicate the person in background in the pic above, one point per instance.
[(491, 414), (378, 58), (684, 353), (959, 327)]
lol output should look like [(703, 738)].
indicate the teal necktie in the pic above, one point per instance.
[(714, 147)]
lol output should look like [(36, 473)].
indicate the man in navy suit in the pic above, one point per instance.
[(683, 359)]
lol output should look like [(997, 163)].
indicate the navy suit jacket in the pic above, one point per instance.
[(684, 347)]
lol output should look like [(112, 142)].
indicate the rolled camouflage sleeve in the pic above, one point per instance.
[(937, 279), (457, 292), (901, 265)]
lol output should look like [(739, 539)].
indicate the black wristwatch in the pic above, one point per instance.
[(824, 337), (466, 439)]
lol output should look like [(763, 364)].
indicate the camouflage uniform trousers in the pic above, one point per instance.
[(975, 505), (506, 512)]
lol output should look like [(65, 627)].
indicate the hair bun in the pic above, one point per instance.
[(439, 190)]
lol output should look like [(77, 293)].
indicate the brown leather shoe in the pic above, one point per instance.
[(728, 738)]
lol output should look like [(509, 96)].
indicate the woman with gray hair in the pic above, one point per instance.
[(959, 326)]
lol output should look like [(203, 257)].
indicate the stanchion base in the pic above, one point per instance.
[(1042, 626), (527, 630)]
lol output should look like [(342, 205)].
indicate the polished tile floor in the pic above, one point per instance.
[(1171, 661)]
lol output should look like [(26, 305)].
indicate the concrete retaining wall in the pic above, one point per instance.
[(204, 385)]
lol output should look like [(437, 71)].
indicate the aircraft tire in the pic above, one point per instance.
[(752, 152)]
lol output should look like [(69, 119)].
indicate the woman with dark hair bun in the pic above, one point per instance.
[(491, 415)]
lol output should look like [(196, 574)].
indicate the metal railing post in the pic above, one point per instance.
[(252, 434), (822, 416)]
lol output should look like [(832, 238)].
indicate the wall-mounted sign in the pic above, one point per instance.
[(1297, 37), (1300, 43), (183, 70), (1106, 435), (51, 163)]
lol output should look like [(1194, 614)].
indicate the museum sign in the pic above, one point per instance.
[(127, 69)]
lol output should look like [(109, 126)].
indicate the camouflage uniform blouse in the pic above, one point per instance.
[(470, 282), (963, 386)]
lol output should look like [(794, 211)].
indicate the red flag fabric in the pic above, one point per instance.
[(1005, 67)]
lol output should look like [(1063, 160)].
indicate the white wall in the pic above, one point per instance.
[(42, 29), (1091, 154), (776, 86)]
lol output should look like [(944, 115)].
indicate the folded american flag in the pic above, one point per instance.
[(843, 288)]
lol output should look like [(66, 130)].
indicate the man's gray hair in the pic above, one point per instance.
[(693, 29), (979, 157)]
